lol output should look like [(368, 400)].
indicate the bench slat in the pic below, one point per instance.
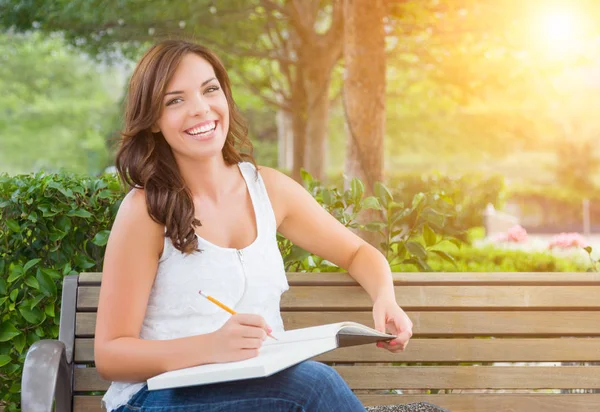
[(433, 377), (453, 402), (423, 297), (447, 350), (435, 278), (511, 323)]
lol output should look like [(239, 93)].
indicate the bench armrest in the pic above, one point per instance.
[(47, 376)]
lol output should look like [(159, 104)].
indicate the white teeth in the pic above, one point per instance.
[(203, 129)]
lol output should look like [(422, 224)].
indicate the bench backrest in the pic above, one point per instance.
[(464, 324)]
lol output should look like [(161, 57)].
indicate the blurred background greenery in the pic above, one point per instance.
[(493, 88)]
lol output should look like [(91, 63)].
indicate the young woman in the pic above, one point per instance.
[(202, 216)]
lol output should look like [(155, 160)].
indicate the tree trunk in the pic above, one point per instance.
[(299, 116), (285, 139), (317, 54), (317, 90), (364, 94)]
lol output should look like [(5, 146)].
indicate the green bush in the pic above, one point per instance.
[(491, 259), (51, 225), (469, 194)]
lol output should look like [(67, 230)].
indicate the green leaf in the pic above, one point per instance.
[(84, 262), (66, 269), (32, 282), (13, 225), (416, 249), (33, 316), (56, 235), (357, 188), (13, 296), (67, 192), (46, 210), (383, 194), (588, 249), (37, 300), (52, 273), (30, 264), (80, 213), (371, 202), (8, 331), (417, 199), (375, 226), (101, 238), (14, 273), (306, 177), (297, 253), (49, 310), (47, 285), (19, 343), (444, 256), (2, 286), (64, 224), (429, 236), (5, 360), (326, 196)]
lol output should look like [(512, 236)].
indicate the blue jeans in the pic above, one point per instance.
[(306, 387)]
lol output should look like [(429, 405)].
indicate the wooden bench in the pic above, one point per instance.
[(460, 319)]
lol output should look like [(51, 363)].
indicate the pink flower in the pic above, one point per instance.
[(567, 240), (516, 234)]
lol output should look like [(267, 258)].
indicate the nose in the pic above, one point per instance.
[(199, 105)]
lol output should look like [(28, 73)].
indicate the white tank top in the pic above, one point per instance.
[(249, 280)]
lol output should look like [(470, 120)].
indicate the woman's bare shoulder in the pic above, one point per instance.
[(134, 224)]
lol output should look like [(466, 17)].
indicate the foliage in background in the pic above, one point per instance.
[(492, 259), (51, 225), (56, 106), (554, 209), (409, 231)]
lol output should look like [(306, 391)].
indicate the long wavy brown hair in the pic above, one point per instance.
[(145, 160)]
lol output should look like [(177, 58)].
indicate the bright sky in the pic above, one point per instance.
[(560, 30)]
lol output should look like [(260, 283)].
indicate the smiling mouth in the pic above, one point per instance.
[(203, 130)]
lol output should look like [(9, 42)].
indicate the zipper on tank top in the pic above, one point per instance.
[(241, 258)]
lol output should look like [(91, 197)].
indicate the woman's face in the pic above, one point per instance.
[(195, 115)]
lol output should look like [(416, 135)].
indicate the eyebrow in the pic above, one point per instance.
[(202, 85)]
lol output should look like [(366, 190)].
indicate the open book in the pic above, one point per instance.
[(292, 347)]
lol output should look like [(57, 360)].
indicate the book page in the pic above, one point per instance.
[(305, 334)]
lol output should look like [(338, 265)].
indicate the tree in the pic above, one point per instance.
[(282, 50), (56, 106), (364, 89)]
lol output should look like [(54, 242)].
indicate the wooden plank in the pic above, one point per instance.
[(436, 278), (455, 324), (433, 377), (447, 350), (424, 298), (475, 377), (530, 402)]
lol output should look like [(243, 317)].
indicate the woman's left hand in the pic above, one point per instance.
[(389, 317)]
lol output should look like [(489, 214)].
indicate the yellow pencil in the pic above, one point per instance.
[(225, 307)]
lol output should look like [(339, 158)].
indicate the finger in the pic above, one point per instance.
[(251, 343), (245, 354), (379, 319), (393, 346), (254, 332), (251, 319)]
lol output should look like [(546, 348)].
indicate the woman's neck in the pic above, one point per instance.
[(212, 178)]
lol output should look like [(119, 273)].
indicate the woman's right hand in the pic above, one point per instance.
[(240, 337)]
